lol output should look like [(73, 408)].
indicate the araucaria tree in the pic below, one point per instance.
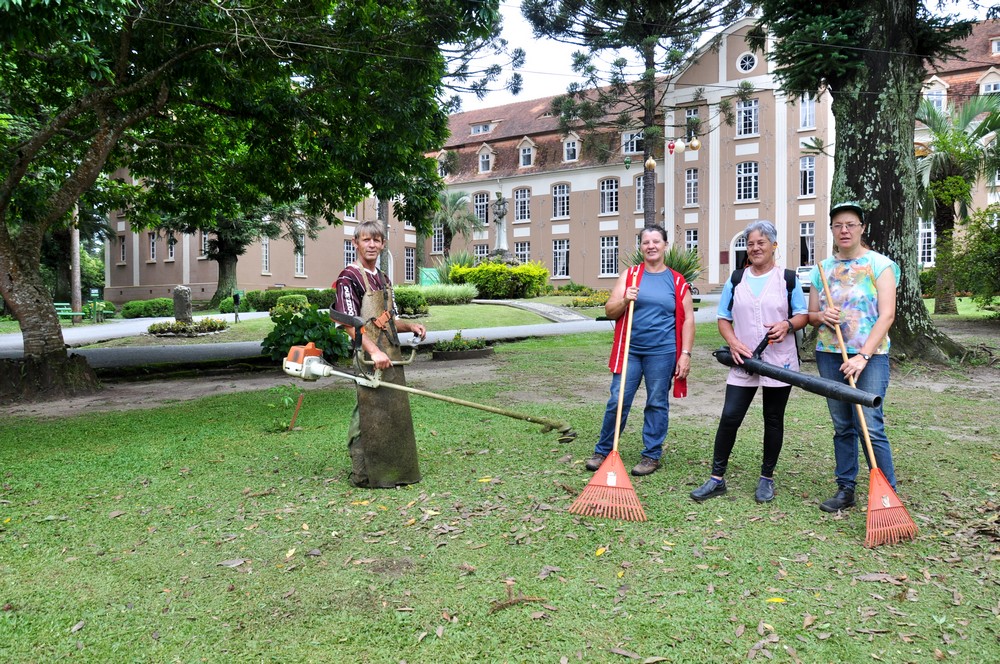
[(870, 55), (960, 149), (659, 35), (333, 100)]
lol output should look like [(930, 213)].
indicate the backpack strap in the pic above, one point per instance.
[(737, 277)]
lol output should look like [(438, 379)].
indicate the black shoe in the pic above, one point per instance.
[(840, 501), (765, 490), (709, 489), (646, 466), (594, 462)]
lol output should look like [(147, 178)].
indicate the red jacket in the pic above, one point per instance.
[(617, 359)]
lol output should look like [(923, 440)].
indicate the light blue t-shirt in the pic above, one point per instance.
[(756, 284), (654, 318)]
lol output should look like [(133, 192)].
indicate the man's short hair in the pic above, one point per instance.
[(372, 229)]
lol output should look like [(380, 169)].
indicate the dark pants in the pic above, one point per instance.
[(735, 408)]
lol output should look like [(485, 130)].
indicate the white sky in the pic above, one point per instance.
[(547, 69)]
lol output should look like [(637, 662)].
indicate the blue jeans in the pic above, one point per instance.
[(658, 372), (847, 433)]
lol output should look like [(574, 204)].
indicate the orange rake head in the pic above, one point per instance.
[(888, 521), (609, 494)]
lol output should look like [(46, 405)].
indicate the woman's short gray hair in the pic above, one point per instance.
[(762, 226)]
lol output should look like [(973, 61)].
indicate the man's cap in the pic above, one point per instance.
[(849, 206)]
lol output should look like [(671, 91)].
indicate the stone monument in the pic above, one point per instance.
[(182, 304)]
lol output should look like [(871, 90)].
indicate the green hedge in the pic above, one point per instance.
[(449, 293), (410, 301), (155, 308), (496, 281), (267, 299), (297, 328), (227, 307)]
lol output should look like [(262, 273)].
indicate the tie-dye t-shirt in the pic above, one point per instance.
[(852, 286)]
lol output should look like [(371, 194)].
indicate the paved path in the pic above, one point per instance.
[(565, 321)]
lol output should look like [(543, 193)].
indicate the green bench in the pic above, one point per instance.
[(65, 310)]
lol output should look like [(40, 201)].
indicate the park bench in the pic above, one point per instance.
[(65, 310)]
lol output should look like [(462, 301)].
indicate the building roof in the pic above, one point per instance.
[(978, 48)]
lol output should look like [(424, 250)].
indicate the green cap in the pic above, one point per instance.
[(849, 206)]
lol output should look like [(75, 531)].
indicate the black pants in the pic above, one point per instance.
[(735, 408)]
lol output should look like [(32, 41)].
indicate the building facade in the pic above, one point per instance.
[(579, 214)]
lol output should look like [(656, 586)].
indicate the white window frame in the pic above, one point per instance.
[(640, 188), (691, 239), (527, 157), (560, 201), (995, 46), (152, 247), (204, 244), (633, 142), (480, 251), (485, 162), (571, 150), (689, 113), (747, 181), (748, 117), (409, 264), (481, 128), (437, 239), (300, 257), (990, 87), (522, 251), (807, 112), (609, 256), (560, 259), (122, 251), (926, 242), (171, 246), (691, 187), (350, 252), (807, 177), (608, 189), (481, 206), (746, 62), (807, 231), (352, 214), (265, 255), (522, 204)]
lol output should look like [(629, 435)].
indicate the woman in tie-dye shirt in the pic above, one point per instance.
[(863, 291)]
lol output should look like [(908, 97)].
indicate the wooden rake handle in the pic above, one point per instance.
[(850, 379), (621, 383)]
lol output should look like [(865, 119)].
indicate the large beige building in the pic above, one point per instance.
[(579, 215)]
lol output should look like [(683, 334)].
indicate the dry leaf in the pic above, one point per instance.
[(624, 653), (439, 631), (547, 570), (879, 577), (235, 562), (600, 551), (808, 621), (115, 514), (77, 627)]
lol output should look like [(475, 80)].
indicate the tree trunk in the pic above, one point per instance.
[(875, 164), (944, 278), (650, 138), (227, 279)]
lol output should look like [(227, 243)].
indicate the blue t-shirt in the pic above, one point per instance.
[(654, 317)]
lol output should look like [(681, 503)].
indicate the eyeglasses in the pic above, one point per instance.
[(839, 227)]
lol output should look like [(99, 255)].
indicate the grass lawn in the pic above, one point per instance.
[(204, 532)]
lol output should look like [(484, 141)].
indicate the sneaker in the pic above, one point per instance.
[(765, 490), (646, 466), (594, 462), (709, 489), (840, 501)]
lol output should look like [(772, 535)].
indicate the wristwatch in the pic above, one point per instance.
[(866, 356), (686, 352)]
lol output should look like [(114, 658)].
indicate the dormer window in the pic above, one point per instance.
[(571, 147), (989, 82), (526, 153), (482, 128), (632, 142), (995, 46), (485, 162)]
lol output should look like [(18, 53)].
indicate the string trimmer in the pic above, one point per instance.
[(306, 362)]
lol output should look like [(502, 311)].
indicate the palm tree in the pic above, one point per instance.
[(961, 149), (456, 218)]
